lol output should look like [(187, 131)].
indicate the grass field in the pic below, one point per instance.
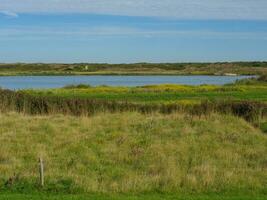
[(129, 197), (161, 93), (245, 68), (133, 153)]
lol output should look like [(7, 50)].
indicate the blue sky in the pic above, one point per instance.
[(125, 31)]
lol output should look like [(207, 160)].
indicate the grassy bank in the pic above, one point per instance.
[(246, 68), (27, 103), (160, 93), (133, 153)]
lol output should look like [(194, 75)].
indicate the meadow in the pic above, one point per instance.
[(133, 154), (149, 142)]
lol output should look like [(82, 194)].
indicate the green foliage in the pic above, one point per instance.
[(263, 127), (79, 86), (263, 78)]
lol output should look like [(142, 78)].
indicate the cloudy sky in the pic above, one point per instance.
[(118, 31)]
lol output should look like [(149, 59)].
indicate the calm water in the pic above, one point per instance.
[(23, 82)]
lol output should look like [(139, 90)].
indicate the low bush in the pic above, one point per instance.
[(79, 86)]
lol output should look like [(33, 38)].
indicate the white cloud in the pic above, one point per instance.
[(9, 14), (181, 9)]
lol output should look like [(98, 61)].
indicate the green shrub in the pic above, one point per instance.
[(263, 78), (79, 86), (263, 127)]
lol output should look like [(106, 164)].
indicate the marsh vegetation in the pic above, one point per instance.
[(151, 140)]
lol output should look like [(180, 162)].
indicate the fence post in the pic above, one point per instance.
[(41, 170)]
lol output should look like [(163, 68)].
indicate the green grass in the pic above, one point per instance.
[(128, 197), (161, 93), (263, 127), (132, 153)]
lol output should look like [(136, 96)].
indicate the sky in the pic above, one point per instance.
[(130, 31)]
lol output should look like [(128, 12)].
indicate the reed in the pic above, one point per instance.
[(251, 111)]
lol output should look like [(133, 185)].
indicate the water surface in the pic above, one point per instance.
[(26, 82)]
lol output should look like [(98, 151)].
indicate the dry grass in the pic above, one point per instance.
[(131, 152)]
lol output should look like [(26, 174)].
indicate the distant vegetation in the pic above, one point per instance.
[(79, 86), (260, 80), (245, 68)]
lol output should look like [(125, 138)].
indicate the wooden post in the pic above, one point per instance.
[(41, 170)]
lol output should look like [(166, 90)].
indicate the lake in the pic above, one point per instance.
[(26, 82)]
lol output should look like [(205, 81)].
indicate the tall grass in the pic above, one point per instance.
[(251, 111), (132, 152)]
